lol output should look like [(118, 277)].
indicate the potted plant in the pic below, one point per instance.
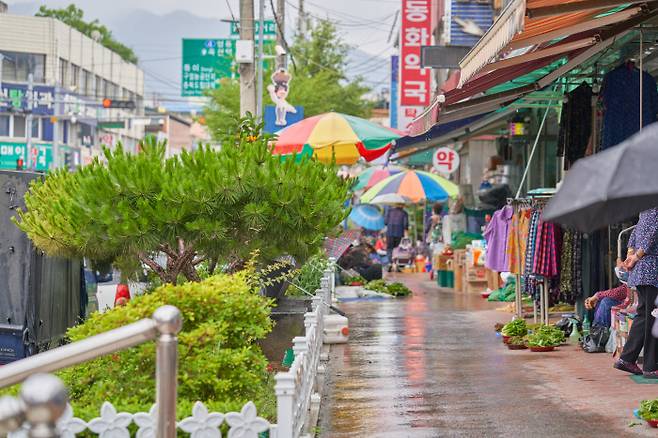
[(517, 343), (517, 327), (545, 338), (355, 281), (649, 412)]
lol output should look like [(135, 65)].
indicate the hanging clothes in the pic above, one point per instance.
[(530, 284), (548, 247), (620, 95), (571, 275), (517, 241), (496, 234), (575, 124)]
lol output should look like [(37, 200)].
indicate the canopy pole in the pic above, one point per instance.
[(641, 74), (532, 153)]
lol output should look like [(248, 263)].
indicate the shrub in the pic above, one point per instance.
[(219, 362), (309, 275)]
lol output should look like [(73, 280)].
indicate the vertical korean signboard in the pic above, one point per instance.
[(415, 82)]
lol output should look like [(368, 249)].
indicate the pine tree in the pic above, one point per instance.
[(201, 206)]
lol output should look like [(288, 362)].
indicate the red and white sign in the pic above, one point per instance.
[(446, 160), (416, 31)]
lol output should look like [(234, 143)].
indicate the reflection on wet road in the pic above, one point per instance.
[(428, 366)]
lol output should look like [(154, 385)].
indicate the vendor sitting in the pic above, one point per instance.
[(359, 258), (603, 301)]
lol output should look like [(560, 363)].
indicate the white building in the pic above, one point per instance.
[(72, 74)]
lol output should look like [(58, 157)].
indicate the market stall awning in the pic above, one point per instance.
[(515, 30), (556, 45)]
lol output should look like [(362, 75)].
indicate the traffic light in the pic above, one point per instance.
[(19, 164), (121, 104)]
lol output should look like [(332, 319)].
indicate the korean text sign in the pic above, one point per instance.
[(416, 31)]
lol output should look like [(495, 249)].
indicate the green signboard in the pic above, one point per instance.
[(204, 62), (269, 29), (10, 152)]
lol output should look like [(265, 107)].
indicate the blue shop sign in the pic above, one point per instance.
[(469, 20), (15, 97)]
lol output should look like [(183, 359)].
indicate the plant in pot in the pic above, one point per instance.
[(545, 338), (518, 327), (355, 281), (517, 343), (649, 412)]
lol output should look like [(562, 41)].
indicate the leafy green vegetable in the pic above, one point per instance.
[(517, 340), (395, 289), (518, 327), (546, 336), (649, 409)]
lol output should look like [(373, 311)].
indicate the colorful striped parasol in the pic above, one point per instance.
[(416, 185), (347, 137), (372, 175)]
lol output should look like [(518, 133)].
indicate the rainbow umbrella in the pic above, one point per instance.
[(333, 134), (373, 175), (415, 185)]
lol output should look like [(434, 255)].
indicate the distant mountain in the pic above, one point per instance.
[(156, 38)]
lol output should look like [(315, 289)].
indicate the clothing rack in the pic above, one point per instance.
[(532, 200)]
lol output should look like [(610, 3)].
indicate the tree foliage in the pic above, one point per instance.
[(74, 17), (204, 205), (319, 82)]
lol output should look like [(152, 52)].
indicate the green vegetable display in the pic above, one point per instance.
[(517, 340), (395, 289), (518, 327), (649, 409), (546, 336)]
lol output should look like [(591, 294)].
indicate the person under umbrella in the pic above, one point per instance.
[(642, 264), (397, 224)]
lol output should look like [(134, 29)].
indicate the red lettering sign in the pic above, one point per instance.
[(446, 160), (416, 31)]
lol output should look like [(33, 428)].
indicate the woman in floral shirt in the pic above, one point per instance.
[(642, 264)]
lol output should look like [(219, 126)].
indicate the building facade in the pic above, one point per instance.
[(71, 74)]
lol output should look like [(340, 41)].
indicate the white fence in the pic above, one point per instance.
[(297, 391)]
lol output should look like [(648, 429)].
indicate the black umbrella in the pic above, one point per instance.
[(610, 186)]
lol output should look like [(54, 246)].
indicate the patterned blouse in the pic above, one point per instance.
[(645, 237)]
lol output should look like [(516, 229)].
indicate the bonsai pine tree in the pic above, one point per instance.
[(206, 205)]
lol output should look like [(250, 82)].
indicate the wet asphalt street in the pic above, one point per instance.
[(431, 366)]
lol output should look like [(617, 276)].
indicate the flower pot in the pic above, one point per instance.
[(652, 423), (517, 346), (506, 339), (356, 283), (542, 349)]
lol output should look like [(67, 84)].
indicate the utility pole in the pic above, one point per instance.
[(301, 19), (55, 119), (247, 72), (28, 121), (259, 66), (280, 29)]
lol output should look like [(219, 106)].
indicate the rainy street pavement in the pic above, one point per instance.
[(431, 366)]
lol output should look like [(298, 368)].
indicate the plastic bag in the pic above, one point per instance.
[(596, 340)]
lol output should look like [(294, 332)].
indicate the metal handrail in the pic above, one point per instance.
[(162, 327)]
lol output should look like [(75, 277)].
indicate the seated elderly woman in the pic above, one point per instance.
[(605, 300)]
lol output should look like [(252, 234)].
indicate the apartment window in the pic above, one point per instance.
[(36, 128), (75, 76), (100, 87), (84, 82), (64, 79), (17, 66), (19, 126), (4, 126)]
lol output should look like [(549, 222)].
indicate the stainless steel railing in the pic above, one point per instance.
[(43, 397)]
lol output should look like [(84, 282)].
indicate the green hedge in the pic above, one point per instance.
[(219, 362)]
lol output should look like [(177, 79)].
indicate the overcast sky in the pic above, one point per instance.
[(364, 24)]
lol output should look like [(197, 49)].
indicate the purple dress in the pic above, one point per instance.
[(645, 237), (496, 236)]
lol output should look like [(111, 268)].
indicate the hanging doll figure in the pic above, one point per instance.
[(278, 93)]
